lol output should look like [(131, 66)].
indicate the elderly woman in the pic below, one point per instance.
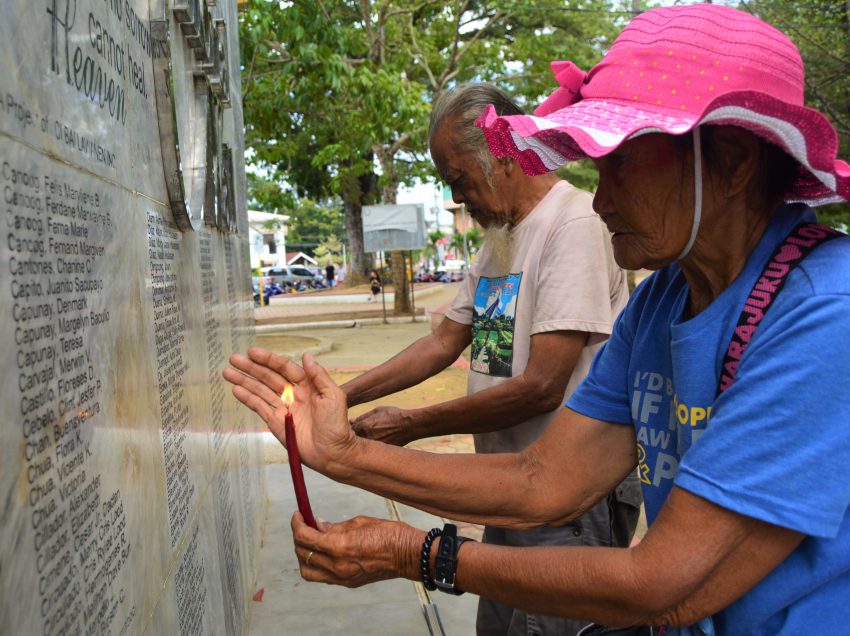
[(724, 382)]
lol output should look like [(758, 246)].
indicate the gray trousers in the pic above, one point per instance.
[(611, 522)]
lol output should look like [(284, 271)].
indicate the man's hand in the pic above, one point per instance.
[(319, 411), (356, 552), (387, 424)]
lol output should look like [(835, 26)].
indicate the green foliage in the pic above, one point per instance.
[(458, 245), (315, 223), (329, 251), (430, 249), (333, 87), (835, 215), (266, 194), (821, 30), (474, 239), (582, 174), (310, 222), (435, 236)]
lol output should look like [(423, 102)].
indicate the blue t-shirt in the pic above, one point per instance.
[(774, 446)]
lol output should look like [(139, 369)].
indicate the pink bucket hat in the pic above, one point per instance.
[(670, 70)]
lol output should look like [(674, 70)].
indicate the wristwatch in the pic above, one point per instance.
[(445, 569)]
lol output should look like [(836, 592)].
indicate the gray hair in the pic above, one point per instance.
[(461, 107)]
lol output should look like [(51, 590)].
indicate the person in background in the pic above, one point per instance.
[(374, 285), (330, 274)]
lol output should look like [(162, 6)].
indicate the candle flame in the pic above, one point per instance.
[(287, 396)]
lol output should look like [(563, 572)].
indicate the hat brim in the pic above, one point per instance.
[(594, 127)]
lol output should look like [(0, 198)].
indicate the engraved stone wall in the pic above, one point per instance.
[(131, 485)]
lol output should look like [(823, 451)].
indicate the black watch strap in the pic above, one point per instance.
[(445, 569)]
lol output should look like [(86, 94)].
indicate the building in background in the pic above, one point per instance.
[(463, 222), (267, 238)]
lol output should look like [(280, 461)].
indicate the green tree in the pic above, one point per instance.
[(430, 251), (821, 30), (312, 223), (474, 239), (337, 92), (266, 194), (458, 245), (329, 252)]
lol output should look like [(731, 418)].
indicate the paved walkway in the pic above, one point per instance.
[(330, 304), (292, 606), (284, 603)]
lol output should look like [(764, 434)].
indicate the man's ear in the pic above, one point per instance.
[(735, 156)]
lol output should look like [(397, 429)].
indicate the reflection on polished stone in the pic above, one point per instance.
[(131, 485)]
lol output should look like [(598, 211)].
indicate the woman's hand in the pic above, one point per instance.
[(319, 411), (357, 552)]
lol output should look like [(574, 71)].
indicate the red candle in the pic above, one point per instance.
[(295, 461)]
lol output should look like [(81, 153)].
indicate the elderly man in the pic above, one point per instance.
[(541, 297)]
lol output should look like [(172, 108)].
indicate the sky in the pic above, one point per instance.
[(429, 195)]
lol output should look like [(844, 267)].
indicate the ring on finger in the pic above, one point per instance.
[(307, 560)]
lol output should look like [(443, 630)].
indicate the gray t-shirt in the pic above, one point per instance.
[(562, 277)]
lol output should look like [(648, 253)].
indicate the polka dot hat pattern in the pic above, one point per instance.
[(670, 70)]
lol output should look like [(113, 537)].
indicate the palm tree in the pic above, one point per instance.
[(434, 237), (458, 244), (474, 238)]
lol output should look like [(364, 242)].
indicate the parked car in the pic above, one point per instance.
[(291, 276)]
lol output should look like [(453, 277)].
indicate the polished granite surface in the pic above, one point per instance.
[(131, 485)]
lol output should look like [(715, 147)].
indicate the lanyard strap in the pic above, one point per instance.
[(796, 246)]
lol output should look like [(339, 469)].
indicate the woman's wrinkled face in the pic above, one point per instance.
[(646, 198)]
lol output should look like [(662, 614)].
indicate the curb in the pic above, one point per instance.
[(314, 298), (325, 345), (331, 324)]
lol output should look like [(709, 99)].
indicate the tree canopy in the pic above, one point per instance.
[(821, 30), (337, 93)]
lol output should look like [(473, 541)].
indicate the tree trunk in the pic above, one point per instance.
[(401, 286), (356, 273), (356, 193)]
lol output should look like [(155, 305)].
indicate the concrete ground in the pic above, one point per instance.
[(285, 604), (292, 606)]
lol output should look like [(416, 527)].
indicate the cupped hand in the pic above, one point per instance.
[(319, 411), (356, 552), (387, 424)]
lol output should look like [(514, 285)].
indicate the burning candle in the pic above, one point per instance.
[(295, 460)]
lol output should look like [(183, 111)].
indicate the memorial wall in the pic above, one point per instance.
[(131, 484)]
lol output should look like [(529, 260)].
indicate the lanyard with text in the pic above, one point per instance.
[(796, 246)]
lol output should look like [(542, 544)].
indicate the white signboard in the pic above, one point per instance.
[(393, 227)]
